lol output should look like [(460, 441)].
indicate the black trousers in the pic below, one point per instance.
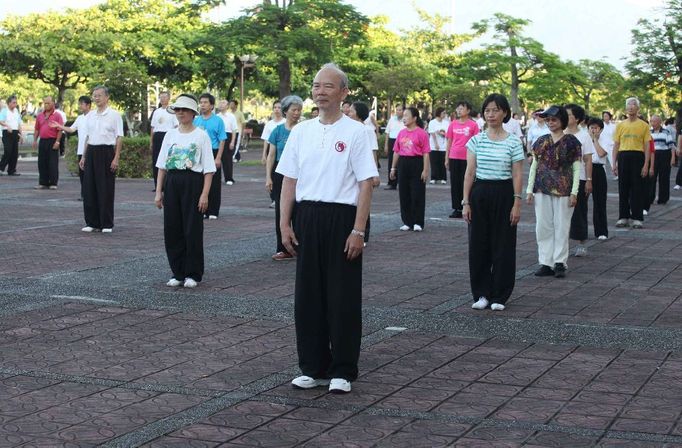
[(157, 140), (662, 170), (80, 173), (599, 193), (412, 190), (578, 229), (631, 185), (492, 241), (98, 187), (277, 180), (48, 162), (328, 298), (678, 178), (183, 225), (457, 169), (392, 183), (215, 193), (227, 160), (10, 155), (438, 171)]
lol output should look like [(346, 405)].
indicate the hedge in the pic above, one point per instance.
[(135, 162)]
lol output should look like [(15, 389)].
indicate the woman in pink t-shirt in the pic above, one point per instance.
[(411, 160), (458, 134)]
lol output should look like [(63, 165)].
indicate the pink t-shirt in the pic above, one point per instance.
[(412, 143), (460, 133)]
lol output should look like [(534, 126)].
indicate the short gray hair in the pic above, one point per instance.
[(288, 101), (104, 89), (344, 78), (632, 99)]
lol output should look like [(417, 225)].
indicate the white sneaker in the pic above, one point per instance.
[(107, 230), (173, 282), (212, 217), (339, 386), (646, 213), (497, 307), (190, 283), (272, 205), (580, 251), (622, 223), (88, 229), (443, 182), (602, 237), (404, 227), (229, 182), (677, 187), (432, 182), (481, 304), (636, 224), (417, 228), (306, 382)]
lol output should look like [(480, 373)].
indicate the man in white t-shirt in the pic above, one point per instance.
[(437, 130), (606, 137), (162, 121), (84, 106), (513, 126), (231, 132), (537, 129), (328, 168), (62, 140), (10, 123), (393, 127), (270, 126)]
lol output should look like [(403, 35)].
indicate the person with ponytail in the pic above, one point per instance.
[(411, 164)]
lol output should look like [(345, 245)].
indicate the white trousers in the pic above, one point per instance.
[(553, 223)]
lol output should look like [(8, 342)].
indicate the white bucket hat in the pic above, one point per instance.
[(185, 101)]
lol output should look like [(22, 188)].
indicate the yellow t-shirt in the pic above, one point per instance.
[(632, 135)]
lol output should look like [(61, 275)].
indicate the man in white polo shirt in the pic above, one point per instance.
[(10, 123), (162, 121), (100, 162), (393, 127), (328, 168)]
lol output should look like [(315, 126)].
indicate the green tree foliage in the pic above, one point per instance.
[(656, 62)]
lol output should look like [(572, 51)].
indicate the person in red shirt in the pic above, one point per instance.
[(411, 162), (46, 139)]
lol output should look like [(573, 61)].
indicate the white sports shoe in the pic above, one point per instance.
[(339, 386), (88, 229), (432, 182), (602, 237), (636, 224), (212, 217), (107, 230), (677, 187), (229, 182), (404, 228), (417, 228), (481, 304), (497, 307), (306, 382), (173, 283), (646, 213), (581, 251), (190, 283), (443, 182)]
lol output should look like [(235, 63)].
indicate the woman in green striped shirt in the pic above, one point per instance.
[(492, 206)]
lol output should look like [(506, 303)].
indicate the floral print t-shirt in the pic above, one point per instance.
[(555, 164)]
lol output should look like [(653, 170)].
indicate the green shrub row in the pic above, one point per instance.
[(135, 161)]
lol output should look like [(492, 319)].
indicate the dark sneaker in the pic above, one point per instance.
[(559, 270), (544, 271), (456, 214)]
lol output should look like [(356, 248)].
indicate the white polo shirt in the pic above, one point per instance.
[(371, 136), (269, 127), (11, 117), (394, 126), (230, 122), (181, 151), (163, 120), (606, 137), (435, 126), (328, 160), (588, 148), (79, 126), (103, 128)]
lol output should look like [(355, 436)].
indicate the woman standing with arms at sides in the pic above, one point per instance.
[(459, 132), (437, 130), (553, 185), (411, 162), (492, 206), (291, 107), (186, 169)]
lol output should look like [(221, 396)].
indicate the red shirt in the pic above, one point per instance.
[(43, 129)]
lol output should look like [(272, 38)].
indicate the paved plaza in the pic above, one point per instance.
[(96, 351)]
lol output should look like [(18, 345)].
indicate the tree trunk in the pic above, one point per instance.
[(145, 127), (284, 72), (514, 91)]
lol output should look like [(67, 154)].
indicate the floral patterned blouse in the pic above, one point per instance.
[(555, 164)]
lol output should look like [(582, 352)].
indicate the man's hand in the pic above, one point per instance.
[(56, 145), (158, 200), (588, 187), (81, 164), (268, 184), (203, 203), (114, 164), (354, 246), (217, 163), (35, 143), (289, 239), (645, 171)]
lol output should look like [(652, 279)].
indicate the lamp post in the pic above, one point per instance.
[(247, 60)]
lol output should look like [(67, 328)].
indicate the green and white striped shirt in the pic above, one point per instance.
[(494, 159)]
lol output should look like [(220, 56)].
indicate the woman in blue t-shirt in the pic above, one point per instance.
[(291, 109)]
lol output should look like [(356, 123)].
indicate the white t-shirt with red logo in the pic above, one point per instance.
[(328, 160)]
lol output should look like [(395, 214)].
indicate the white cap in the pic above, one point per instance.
[(185, 101)]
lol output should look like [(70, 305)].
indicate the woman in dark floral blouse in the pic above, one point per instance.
[(553, 186)]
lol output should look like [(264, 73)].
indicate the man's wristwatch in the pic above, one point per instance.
[(357, 233), (464, 202)]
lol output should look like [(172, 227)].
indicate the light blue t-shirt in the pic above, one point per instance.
[(494, 159), (214, 127), (279, 138)]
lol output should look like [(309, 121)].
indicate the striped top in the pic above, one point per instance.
[(494, 159), (663, 140)]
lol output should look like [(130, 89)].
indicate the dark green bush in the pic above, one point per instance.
[(135, 162)]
